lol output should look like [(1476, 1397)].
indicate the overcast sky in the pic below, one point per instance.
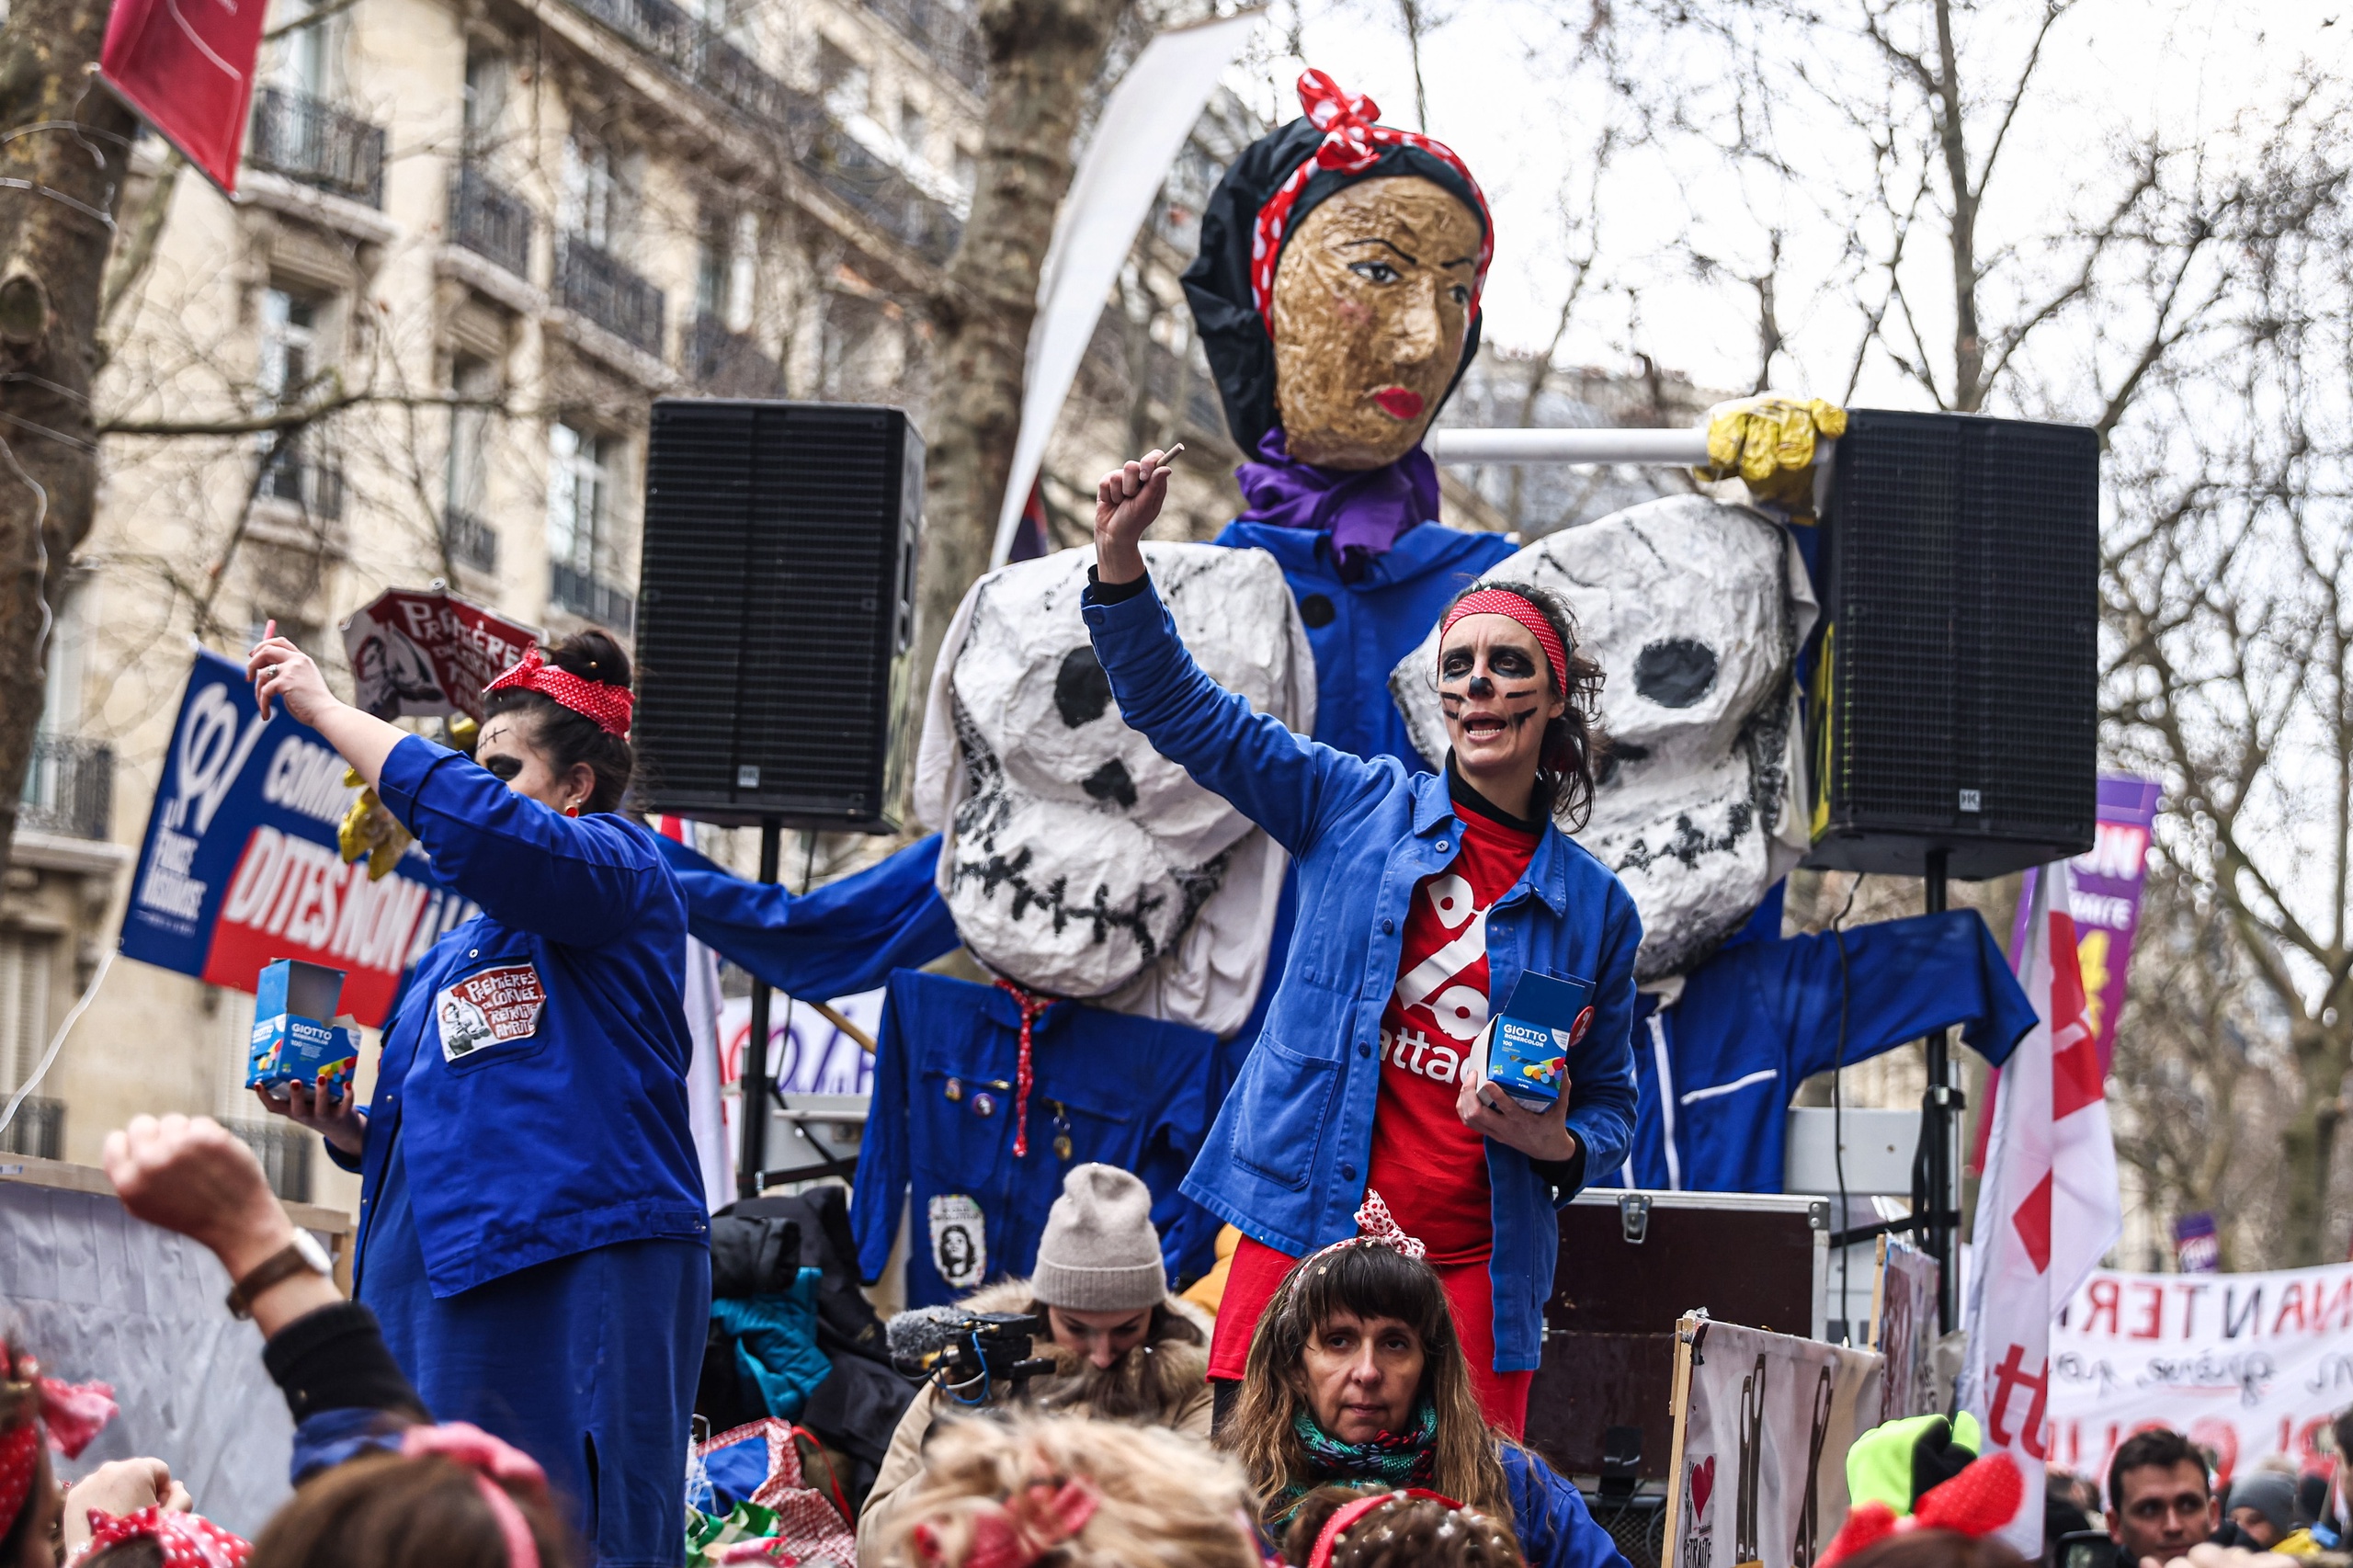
[(1499, 95)]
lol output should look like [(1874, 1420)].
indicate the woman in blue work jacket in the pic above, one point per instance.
[(532, 1231), (1422, 899)]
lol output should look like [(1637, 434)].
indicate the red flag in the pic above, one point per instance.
[(187, 67)]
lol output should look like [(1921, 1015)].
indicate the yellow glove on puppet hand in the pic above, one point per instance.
[(1768, 443), (369, 829)]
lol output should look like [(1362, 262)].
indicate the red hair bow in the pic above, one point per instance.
[(1983, 1498), (69, 1414), (188, 1540), (1015, 1533), (609, 706), (1353, 141)]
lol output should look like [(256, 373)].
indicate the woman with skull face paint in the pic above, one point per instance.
[(532, 1231), (1422, 899), (1337, 293)]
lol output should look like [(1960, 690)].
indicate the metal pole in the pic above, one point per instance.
[(1600, 444), (1939, 1109), (752, 1103)]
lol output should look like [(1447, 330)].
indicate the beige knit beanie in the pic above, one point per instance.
[(1099, 1253)]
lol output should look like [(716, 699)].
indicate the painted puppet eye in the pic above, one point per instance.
[(1462, 294), (1378, 272), (503, 767)]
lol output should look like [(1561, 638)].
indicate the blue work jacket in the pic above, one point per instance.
[(1549, 1515), (1286, 1159), (1714, 1071), (1358, 631), (535, 1067)]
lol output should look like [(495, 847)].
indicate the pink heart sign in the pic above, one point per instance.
[(1703, 1482)]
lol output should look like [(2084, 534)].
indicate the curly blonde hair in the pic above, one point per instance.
[(1160, 1500)]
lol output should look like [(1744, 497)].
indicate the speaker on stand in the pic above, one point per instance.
[(1953, 722), (776, 611)]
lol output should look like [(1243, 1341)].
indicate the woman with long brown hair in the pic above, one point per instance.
[(1356, 1375)]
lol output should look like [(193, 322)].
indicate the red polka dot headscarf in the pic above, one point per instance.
[(1352, 144), (1266, 194)]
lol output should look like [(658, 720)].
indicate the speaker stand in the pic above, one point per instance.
[(1936, 1201), (753, 1101)]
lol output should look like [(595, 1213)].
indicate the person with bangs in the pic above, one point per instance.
[(1422, 899), (532, 1233), (1356, 1378)]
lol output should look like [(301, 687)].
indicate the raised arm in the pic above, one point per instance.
[(1285, 783)]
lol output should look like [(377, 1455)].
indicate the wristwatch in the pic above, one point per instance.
[(303, 1252)]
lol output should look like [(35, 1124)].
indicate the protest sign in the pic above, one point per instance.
[(2249, 1364), (239, 863), (1904, 1330), (427, 654), (1762, 1426)]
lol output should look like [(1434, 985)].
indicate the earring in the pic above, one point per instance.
[(573, 809)]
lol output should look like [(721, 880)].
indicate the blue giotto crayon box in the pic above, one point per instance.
[(1528, 1049), (294, 1040)]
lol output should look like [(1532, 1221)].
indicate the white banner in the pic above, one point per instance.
[(1761, 1449), (2247, 1365)]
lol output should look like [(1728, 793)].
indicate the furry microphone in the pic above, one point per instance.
[(958, 1348), (919, 1336)]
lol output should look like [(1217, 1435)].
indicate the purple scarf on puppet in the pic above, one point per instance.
[(1363, 510)]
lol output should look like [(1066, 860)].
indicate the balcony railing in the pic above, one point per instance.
[(39, 1129), (285, 1154), (943, 32), (69, 788), (470, 541), (599, 285), (297, 135), (315, 487), (591, 597), (490, 221), (730, 364), (884, 196)]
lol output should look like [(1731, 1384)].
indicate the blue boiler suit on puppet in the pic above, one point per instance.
[(532, 1235)]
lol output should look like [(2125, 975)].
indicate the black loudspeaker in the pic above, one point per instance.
[(1954, 691), (776, 606)]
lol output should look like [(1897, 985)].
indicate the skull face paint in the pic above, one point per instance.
[(1371, 300), (1077, 861), (1495, 688), (1694, 610)]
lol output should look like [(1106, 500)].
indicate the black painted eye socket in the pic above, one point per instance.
[(1378, 272), (1081, 691), (1462, 294), (1676, 673), (1511, 661), (1456, 666), (503, 767)]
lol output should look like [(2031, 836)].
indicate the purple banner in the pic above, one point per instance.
[(2106, 896), (2197, 1247)]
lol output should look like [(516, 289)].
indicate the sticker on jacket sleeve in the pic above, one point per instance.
[(960, 1248), (494, 1008)]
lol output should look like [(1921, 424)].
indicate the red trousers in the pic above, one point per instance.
[(1250, 1284)]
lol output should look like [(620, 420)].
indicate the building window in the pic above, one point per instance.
[(914, 130), (581, 487), (727, 251), (592, 191), (305, 56), (290, 340), (292, 343), (485, 98), (847, 88), (24, 960), (466, 530)]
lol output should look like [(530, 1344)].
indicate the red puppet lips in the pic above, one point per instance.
[(1399, 403)]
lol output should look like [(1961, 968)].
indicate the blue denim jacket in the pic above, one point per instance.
[(537, 1130), (1285, 1161)]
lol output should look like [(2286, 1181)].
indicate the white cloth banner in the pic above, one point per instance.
[(2048, 1207), (1768, 1421), (706, 1113), (2249, 1364), (1143, 129)]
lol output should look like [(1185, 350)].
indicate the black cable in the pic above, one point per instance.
[(1839, 1114)]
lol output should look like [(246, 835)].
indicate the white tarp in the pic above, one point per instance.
[(1142, 129), (2247, 1365), (1075, 859), (95, 1293), (1695, 610), (1768, 1421)]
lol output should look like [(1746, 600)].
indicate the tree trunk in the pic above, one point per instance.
[(2309, 1146), (1043, 57), (56, 228)]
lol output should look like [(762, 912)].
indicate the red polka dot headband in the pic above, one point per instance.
[(188, 1540), (1519, 608), (1352, 143), (609, 706)]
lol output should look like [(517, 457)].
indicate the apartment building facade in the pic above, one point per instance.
[(471, 242)]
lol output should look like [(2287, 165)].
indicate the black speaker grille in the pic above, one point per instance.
[(780, 543), (1963, 593)]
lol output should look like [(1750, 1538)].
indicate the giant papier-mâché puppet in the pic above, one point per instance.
[(1337, 293)]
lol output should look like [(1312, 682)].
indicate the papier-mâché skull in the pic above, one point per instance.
[(1078, 860), (1694, 610)]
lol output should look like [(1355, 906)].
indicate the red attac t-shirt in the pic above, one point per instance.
[(1429, 1168)]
